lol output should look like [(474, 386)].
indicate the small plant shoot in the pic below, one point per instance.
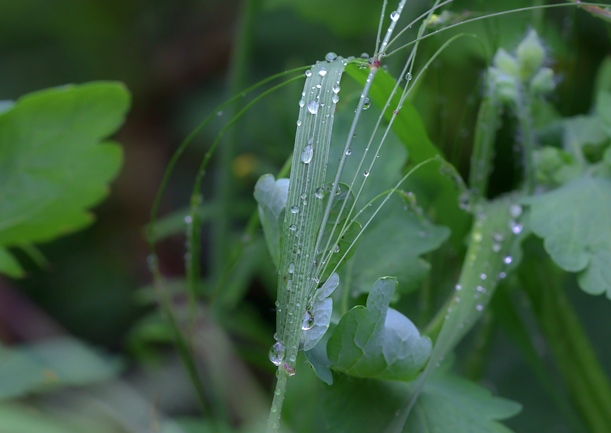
[(400, 261)]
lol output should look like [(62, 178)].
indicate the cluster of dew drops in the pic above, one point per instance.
[(515, 210)]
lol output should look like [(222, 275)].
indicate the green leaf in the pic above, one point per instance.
[(318, 315), (447, 404), (377, 341), (586, 136), (51, 364), (52, 164), (603, 108), (9, 265), (575, 223), (271, 195)]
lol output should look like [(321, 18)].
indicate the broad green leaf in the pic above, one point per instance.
[(447, 404), (319, 360), (603, 108), (318, 314), (271, 195), (9, 265), (554, 166), (377, 341), (575, 223), (50, 364), (52, 164)]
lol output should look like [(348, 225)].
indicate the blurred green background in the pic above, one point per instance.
[(180, 59)]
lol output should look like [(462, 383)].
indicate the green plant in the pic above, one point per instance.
[(351, 216)]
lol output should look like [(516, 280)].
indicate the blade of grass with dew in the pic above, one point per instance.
[(495, 235), (303, 217)]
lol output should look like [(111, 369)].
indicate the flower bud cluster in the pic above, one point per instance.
[(523, 71)]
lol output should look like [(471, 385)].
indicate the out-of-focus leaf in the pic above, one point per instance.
[(52, 164), (447, 404), (9, 265), (271, 195), (50, 364), (377, 341), (575, 223)]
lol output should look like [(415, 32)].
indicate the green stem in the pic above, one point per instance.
[(580, 369), (523, 112), (224, 180)]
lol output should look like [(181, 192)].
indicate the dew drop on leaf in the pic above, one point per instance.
[(515, 210), (291, 268), (313, 107), (294, 209), (330, 56), (319, 193), (508, 260), (366, 173), (276, 353), (308, 321), (516, 228), (366, 104), (335, 98), (336, 249), (292, 227), (322, 72), (348, 151), (306, 155), (408, 76), (301, 103), (394, 15), (479, 307), (299, 123), (308, 73)]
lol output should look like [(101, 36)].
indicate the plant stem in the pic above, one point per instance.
[(523, 113), (588, 385)]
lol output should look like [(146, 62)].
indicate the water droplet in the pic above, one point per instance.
[(294, 209), (289, 370), (308, 321), (319, 193), (483, 276), (291, 268), (366, 173), (497, 237), (502, 275), (188, 219), (515, 210), (219, 113), (308, 73), (276, 353), (508, 260), (313, 106), (322, 72), (408, 76), (301, 103), (481, 289), (364, 56), (366, 104), (335, 88), (306, 155), (496, 247), (479, 307), (299, 123), (336, 249), (516, 228), (292, 227), (303, 196), (330, 56), (394, 15), (335, 99), (293, 358), (458, 287), (349, 151)]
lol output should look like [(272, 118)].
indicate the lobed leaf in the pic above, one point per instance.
[(574, 221), (448, 404), (377, 341), (54, 164)]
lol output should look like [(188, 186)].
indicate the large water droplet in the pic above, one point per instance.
[(366, 104), (322, 72), (308, 321), (313, 106), (294, 209), (306, 155), (394, 15), (330, 56), (277, 353)]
